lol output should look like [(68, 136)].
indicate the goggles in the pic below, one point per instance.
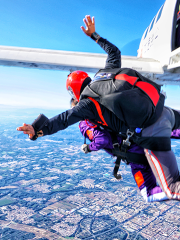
[(71, 92)]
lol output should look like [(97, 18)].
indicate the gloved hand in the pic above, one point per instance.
[(85, 148)]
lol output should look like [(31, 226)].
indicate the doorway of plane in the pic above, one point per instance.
[(176, 27)]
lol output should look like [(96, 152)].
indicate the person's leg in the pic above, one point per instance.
[(146, 183), (163, 163), (165, 169)]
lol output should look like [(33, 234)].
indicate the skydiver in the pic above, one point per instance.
[(155, 124), (135, 157)]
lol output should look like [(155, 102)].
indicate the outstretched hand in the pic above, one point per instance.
[(85, 148), (90, 25), (27, 129)]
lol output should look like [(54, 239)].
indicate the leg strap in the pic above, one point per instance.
[(116, 168)]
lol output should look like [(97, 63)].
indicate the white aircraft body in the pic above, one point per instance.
[(161, 42), (158, 55)]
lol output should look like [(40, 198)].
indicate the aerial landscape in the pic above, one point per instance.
[(51, 190)]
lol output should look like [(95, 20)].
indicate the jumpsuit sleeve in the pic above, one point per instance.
[(114, 54), (100, 140), (85, 109)]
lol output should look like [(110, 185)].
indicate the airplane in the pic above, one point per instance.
[(158, 55), (161, 41)]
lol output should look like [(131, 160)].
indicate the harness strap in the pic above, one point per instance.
[(132, 157), (153, 143), (126, 156), (91, 126), (99, 111), (116, 168), (146, 87)]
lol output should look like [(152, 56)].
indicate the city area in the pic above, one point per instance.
[(51, 190)]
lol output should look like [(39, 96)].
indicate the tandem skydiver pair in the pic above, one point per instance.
[(126, 102), (135, 157)]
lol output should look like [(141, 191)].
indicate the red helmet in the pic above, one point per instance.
[(76, 82)]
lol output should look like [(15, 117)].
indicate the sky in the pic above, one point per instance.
[(55, 24)]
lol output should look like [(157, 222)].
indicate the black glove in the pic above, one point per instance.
[(85, 148), (38, 124)]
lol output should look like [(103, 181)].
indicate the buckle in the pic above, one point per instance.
[(116, 145), (128, 134)]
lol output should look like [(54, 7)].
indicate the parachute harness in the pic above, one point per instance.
[(120, 151)]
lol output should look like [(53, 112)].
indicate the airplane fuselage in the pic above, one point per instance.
[(159, 40)]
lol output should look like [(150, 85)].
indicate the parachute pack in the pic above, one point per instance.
[(133, 98)]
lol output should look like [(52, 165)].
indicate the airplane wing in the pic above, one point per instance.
[(70, 61), (89, 62)]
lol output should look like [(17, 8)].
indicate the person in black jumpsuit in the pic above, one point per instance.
[(163, 163)]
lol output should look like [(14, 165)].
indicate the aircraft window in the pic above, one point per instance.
[(160, 12), (146, 33), (152, 24)]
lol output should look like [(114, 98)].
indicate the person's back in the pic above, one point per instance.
[(127, 94)]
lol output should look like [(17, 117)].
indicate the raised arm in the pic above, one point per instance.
[(114, 54)]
